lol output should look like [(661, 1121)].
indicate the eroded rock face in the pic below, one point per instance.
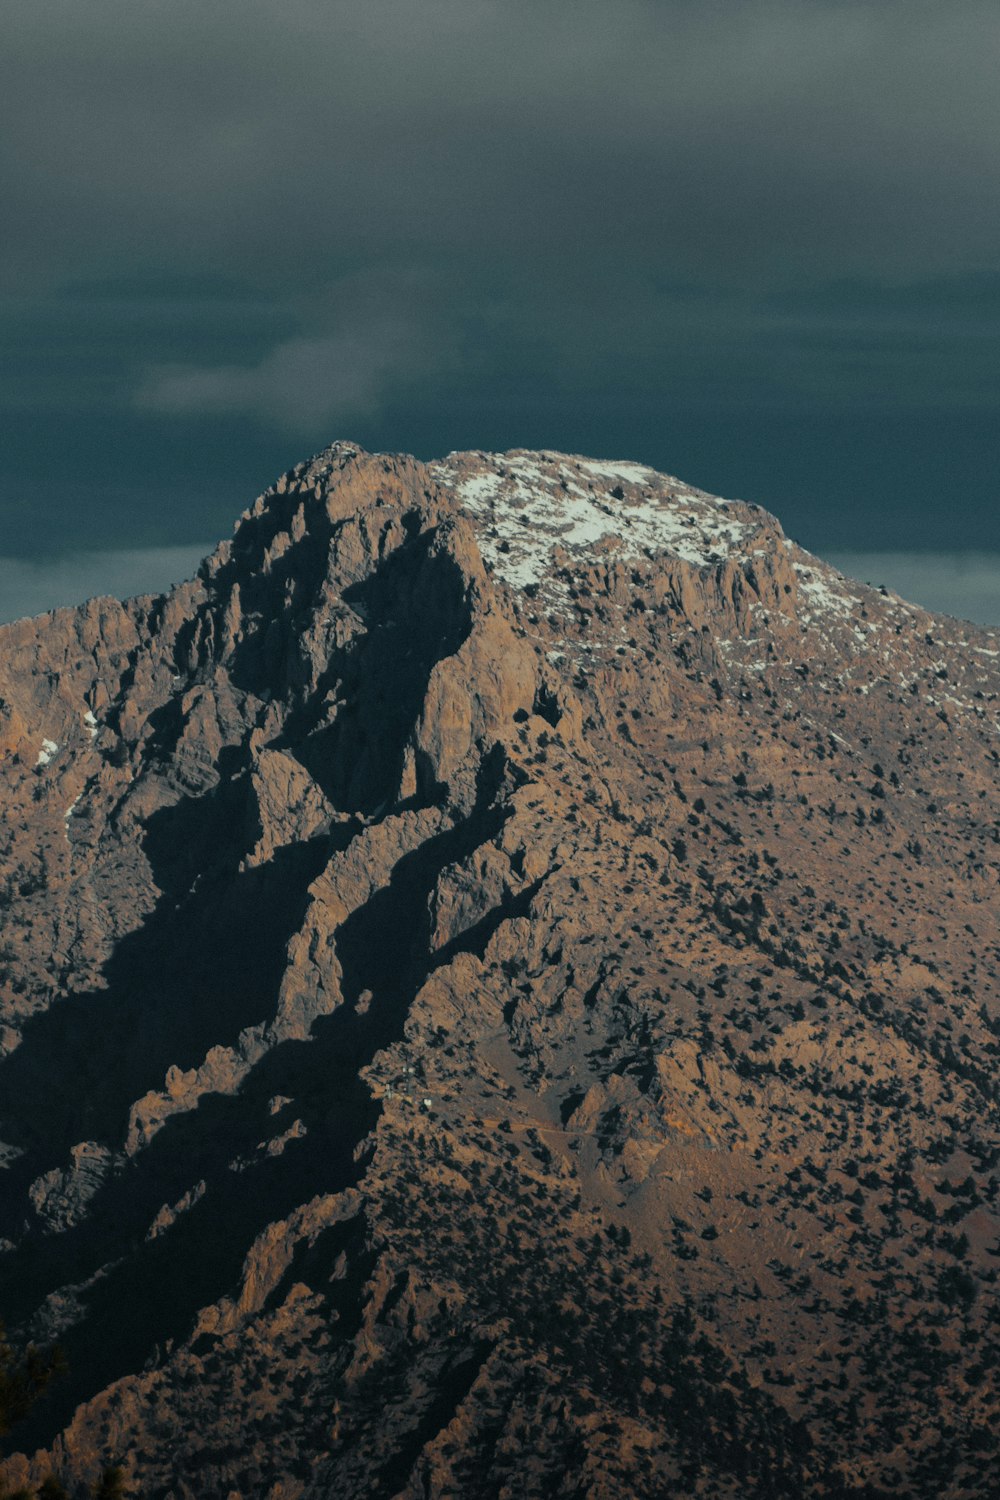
[(500, 998)]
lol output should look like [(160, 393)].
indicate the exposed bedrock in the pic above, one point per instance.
[(499, 998)]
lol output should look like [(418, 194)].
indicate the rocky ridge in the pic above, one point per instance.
[(499, 985)]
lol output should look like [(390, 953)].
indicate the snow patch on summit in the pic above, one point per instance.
[(531, 504), (631, 473)]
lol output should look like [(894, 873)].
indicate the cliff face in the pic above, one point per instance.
[(500, 998)]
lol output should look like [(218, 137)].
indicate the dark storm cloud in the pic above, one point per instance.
[(674, 230), (277, 138)]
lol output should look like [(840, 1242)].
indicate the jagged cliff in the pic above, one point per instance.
[(500, 999)]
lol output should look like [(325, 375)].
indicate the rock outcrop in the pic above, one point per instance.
[(500, 998)]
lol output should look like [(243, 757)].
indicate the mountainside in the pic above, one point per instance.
[(499, 998)]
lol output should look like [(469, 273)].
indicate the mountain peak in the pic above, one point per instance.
[(499, 985)]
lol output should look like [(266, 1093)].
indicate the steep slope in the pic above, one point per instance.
[(500, 999)]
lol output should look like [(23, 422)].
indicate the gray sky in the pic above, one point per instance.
[(756, 245)]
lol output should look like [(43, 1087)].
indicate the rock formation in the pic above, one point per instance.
[(499, 998)]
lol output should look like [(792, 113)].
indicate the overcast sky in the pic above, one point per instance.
[(754, 244)]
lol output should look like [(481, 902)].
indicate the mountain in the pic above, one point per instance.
[(500, 999)]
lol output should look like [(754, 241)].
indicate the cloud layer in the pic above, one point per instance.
[(964, 584), (757, 244), (33, 588), (784, 134)]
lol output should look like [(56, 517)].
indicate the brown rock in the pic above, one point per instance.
[(503, 999)]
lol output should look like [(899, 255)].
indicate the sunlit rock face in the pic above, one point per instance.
[(499, 997)]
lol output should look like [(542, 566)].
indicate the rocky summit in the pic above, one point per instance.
[(500, 999)]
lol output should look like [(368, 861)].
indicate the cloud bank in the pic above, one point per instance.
[(755, 244), (964, 584), (777, 134), (33, 588)]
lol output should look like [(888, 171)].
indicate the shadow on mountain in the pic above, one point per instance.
[(380, 681), (415, 612), (193, 976), (208, 961), (383, 948)]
